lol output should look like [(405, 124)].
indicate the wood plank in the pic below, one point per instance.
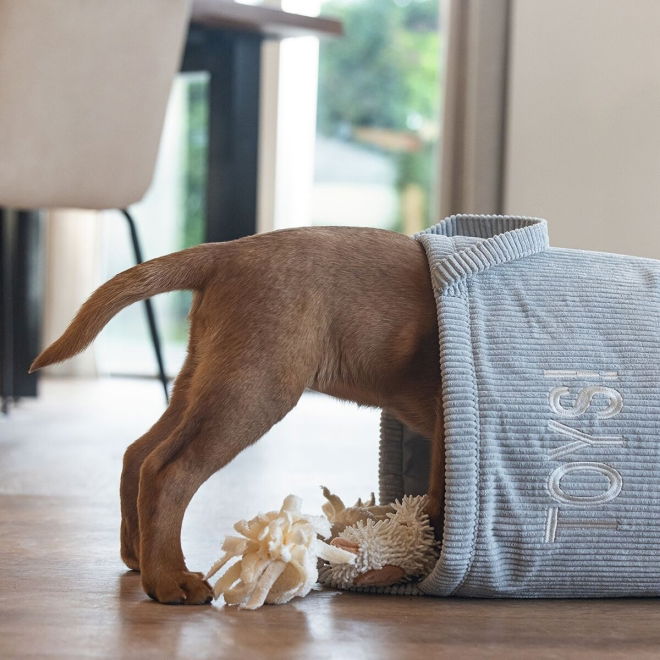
[(267, 21)]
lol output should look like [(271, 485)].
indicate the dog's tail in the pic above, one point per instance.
[(188, 269)]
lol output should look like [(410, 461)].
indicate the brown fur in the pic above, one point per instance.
[(348, 312)]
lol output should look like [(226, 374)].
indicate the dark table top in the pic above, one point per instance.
[(267, 21)]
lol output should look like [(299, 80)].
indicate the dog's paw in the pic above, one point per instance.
[(130, 561), (128, 556), (129, 542), (178, 588)]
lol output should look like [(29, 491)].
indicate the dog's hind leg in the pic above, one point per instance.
[(229, 409), (133, 459)]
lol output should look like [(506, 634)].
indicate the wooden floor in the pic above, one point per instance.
[(65, 593)]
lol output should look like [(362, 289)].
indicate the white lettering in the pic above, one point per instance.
[(559, 494), (584, 398), (581, 440), (552, 523)]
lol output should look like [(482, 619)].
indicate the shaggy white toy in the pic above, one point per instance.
[(278, 557), (279, 552)]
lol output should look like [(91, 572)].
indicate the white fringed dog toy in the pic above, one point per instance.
[(278, 556), (278, 552)]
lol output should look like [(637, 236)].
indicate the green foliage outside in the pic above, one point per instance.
[(194, 184), (384, 74), (195, 161)]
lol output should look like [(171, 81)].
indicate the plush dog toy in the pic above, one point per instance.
[(393, 544)]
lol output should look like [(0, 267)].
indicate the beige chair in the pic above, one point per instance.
[(83, 92)]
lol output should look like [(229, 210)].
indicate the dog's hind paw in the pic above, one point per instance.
[(178, 588), (130, 542), (131, 562)]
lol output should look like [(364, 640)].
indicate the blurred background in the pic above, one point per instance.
[(352, 145)]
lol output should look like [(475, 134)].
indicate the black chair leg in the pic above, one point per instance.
[(6, 311), (151, 319)]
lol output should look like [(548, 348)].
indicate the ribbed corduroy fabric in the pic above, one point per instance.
[(551, 399)]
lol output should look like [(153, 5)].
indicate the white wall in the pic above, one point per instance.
[(583, 138), (287, 124)]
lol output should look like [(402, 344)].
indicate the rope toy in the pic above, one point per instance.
[(278, 554)]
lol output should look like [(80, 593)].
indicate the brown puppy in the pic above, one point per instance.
[(348, 312)]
